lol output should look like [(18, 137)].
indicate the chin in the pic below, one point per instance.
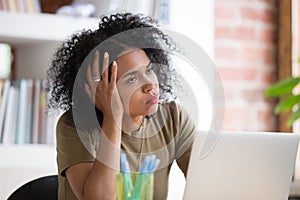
[(153, 109)]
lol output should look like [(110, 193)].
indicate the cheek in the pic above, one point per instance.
[(126, 91), (129, 96), (134, 99), (153, 78)]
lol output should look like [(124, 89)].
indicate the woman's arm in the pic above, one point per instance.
[(97, 180), (185, 141)]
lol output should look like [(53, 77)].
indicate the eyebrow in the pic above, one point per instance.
[(135, 71)]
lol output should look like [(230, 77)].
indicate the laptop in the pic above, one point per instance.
[(241, 165)]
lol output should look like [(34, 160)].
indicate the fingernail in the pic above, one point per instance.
[(105, 54)]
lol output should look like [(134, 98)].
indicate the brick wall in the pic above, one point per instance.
[(245, 56)]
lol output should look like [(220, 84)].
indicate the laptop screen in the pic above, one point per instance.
[(241, 165)]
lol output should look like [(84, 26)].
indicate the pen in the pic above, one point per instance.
[(149, 166), (126, 176)]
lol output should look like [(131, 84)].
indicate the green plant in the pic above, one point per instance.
[(289, 100)]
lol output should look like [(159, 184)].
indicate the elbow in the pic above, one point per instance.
[(104, 197), (101, 195), (108, 196)]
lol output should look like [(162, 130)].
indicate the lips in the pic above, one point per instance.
[(153, 100)]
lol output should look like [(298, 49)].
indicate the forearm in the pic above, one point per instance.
[(100, 182)]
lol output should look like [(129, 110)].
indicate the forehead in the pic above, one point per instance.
[(130, 60)]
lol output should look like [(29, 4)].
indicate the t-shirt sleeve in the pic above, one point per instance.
[(71, 149), (185, 138)]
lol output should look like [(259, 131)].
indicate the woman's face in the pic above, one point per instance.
[(137, 83)]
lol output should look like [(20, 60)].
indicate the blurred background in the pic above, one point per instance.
[(252, 43)]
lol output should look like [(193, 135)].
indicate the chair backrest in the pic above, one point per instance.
[(41, 188)]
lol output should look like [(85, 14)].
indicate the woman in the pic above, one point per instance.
[(115, 84)]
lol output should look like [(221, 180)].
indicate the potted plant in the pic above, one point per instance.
[(290, 101)]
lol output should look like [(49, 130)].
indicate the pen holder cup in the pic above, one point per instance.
[(140, 188)]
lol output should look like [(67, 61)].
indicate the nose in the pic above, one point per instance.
[(149, 87), (149, 84)]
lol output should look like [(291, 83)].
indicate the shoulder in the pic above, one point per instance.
[(176, 113), (171, 112), (67, 128), (172, 105), (173, 108), (66, 119), (65, 124)]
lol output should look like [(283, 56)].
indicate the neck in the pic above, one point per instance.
[(132, 123)]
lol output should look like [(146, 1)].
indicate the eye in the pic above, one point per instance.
[(149, 70), (132, 80)]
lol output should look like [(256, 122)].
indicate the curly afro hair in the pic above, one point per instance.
[(73, 53)]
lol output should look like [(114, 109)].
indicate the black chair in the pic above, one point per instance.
[(295, 190), (41, 188)]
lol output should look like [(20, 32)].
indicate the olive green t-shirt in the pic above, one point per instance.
[(169, 134)]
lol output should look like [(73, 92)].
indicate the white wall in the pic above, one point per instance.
[(194, 19)]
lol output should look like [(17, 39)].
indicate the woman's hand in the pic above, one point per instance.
[(103, 92)]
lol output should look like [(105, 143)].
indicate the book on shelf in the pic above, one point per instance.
[(3, 102), (22, 6), (6, 55), (3, 5), (28, 111), (1, 88), (23, 117), (20, 130), (35, 111), (11, 5), (10, 119)]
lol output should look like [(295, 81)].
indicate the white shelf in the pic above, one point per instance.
[(36, 37), (23, 163), (19, 28), (39, 156)]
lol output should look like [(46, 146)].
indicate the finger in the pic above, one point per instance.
[(126, 170), (123, 161), (114, 71), (88, 91), (152, 163), (156, 163), (89, 76), (96, 66), (105, 68), (104, 77), (144, 168)]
